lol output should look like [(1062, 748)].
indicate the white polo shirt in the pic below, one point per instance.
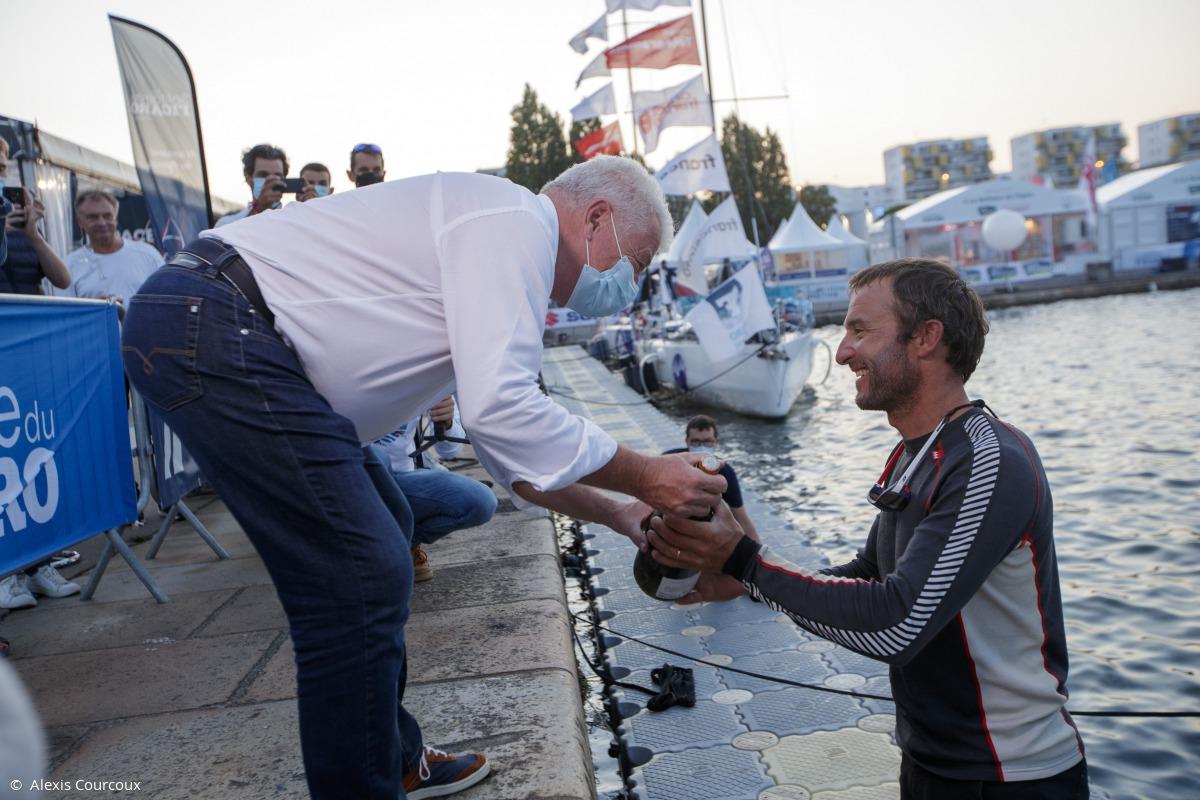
[(118, 274), (395, 295)]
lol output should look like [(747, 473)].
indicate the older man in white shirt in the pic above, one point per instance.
[(273, 349)]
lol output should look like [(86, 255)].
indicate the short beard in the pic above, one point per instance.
[(893, 382)]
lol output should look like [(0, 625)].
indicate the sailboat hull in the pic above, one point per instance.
[(760, 386)]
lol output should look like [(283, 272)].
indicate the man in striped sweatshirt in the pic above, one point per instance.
[(957, 585)]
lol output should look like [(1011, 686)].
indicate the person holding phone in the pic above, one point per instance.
[(265, 168), (27, 256), (315, 181)]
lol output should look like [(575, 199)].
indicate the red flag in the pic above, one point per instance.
[(602, 141), (660, 47)]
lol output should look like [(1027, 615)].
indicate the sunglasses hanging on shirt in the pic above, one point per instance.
[(896, 496)]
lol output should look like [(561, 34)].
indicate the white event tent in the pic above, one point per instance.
[(1149, 216)]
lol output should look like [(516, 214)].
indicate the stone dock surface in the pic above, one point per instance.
[(748, 737), (196, 698)]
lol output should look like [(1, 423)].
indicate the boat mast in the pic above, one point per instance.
[(741, 150)]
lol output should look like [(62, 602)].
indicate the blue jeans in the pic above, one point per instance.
[(442, 502), (292, 472)]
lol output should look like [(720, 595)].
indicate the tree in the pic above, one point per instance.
[(755, 160), (537, 151), (819, 203), (579, 129)]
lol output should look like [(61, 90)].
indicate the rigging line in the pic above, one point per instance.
[(815, 687), (725, 372)]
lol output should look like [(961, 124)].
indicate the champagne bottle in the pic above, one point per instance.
[(658, 580)]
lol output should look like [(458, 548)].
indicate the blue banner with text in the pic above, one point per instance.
[(65, 467)]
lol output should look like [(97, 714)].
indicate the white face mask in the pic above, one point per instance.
[(598, 294)]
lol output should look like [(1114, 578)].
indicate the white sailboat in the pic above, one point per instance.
[(760, 374), (764, 380)]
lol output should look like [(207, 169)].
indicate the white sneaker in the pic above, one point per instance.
[(48, 582), (14, 592)]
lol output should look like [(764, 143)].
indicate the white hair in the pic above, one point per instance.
[(625, 184)]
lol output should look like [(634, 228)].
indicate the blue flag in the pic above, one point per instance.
[(164, 126)]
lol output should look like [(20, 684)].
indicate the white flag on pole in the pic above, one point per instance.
[(644, 5), (721, 237), (699, 168), (685, 104), (597, 69), (732, 313), (597, 30), (602, 101)]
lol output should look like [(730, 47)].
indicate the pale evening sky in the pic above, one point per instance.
[(433, 83)]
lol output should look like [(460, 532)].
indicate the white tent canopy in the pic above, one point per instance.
[(974, 202), (856, 248), (801, 234), (801, 247), (1171, 183), (1148, 216)]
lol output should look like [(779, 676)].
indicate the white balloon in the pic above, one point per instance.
[(1004, 230)]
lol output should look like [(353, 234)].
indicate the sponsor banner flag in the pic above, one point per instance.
[(602, 101), (65, 470), (700, 168), (164, 127), (644, 5), (721, 237), (683, 104), (558, 318), (732, 313), (176, 474), (602, 141), (659, 47), (597, 69), (597, 30)]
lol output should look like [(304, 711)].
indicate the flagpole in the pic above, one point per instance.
[(629, 75), (708, 69)]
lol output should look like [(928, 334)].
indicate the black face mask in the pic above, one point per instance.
[(367, 178)]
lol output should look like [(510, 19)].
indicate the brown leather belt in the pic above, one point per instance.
[(207, 252)]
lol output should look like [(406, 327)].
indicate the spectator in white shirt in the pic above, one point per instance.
[(107, 266), (274, 348)]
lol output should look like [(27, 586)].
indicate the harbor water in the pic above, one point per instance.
[(1109, 390)]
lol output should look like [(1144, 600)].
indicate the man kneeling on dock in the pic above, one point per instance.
[(273, 349), (957, 585)]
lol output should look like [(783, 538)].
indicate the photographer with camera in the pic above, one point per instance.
[(264, 167), (27, 256)]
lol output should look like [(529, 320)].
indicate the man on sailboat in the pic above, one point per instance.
[(273, 350)]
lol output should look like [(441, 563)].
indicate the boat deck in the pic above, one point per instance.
[(746, 738)]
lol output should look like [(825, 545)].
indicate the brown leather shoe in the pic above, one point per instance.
[(421, 570)]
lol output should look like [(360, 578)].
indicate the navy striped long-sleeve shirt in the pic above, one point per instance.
[(959, 593)]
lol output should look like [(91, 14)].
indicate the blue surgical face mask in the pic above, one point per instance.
[(257, 188), (598, 294), (702, 448), (321, 189)]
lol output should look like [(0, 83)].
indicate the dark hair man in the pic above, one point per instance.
[(318, 182), (273, 388), (957, 585), (264, 167), (366, 165), (701, 436)]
